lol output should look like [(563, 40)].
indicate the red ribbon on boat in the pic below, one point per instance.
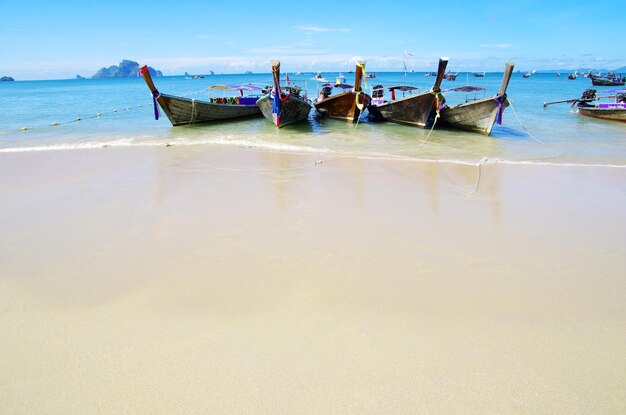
[(156, 95), (500, 100), (438, 105)]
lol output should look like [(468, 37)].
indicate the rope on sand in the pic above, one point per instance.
[(480, 164), (525, 129), (318, 162)]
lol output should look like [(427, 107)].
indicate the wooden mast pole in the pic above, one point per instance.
[(358, 74), (443, 63), (508, 71)]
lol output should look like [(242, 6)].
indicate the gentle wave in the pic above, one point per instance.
[(282, 147), (177, 142)]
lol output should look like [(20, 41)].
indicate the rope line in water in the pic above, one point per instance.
[(79, 119), (431, 130), (525, 129)]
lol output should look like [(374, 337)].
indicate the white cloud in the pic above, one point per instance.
[(499, 45), (318, 29)]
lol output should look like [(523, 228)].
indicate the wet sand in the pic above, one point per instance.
[(230, 280)]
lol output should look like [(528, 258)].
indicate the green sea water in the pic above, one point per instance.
[(529, 133)]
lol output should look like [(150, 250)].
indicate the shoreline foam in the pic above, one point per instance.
[(294, 150)]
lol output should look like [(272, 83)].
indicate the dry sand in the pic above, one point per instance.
[(231, 280)]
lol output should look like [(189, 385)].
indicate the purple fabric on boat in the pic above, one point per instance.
[(612, 106), (247, 101)]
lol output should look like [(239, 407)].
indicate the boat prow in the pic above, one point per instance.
[(283, 106)]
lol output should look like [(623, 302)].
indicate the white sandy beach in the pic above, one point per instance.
[(208, 279)]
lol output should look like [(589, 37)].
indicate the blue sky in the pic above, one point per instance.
[(59, 39)]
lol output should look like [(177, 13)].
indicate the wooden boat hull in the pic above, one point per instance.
[(476, 116), (185, 111), (480, 115), (415, 110), (605, 82), (611, 114), (292, 110), (341, 106)]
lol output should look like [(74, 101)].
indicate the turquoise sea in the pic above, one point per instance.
[(557, 136)]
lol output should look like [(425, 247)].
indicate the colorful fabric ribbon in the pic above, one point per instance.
[(365, 103), (500, 100), (276, 94), (439, 104), (156, 95)]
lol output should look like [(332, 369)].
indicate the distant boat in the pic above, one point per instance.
[(346, 105), (478, 115), (187, 76), (283, 106), (416, 110), (450, 76), (370, 75), (528, 74), (479, 74), (319, 78), (184, 111), (573, 75), (430, 74), (610, 79), (558, 74)]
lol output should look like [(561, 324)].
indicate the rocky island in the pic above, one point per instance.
[(6, 79), (126, 69)]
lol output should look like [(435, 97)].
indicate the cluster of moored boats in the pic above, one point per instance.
[(287, 104)]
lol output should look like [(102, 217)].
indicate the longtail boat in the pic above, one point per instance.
[(346, 105), (605, 111), (606, 80), (414, 110), (615, 111), (478, 115), (283, 106), (185, 111)]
